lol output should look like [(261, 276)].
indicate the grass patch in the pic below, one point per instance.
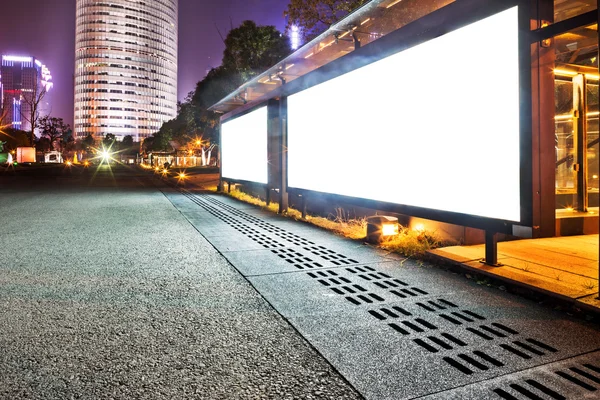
[(412, 243), (409, 243)]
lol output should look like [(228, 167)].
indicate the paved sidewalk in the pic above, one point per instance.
[(395, 328)]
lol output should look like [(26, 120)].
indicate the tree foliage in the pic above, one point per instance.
[(54, 129), (250, 49), (88, 141), (14, 138), (314, 16)]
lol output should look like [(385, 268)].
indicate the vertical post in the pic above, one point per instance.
[(580, 138), (303, 206), (598, 7), (228, 187), (283, 194), (491, 248), (268, 195)]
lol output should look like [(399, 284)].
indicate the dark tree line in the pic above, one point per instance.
[(250, 49)]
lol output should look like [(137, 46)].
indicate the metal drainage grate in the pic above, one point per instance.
[(330, 255), (474, 362), (386, 313), (584, 377), (264, 240), (529, 349), (297, 259)]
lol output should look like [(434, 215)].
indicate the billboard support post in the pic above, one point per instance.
[(491, 249), (283, 194)]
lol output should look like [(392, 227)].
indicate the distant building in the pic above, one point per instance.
[(22, 79), (125, 67)]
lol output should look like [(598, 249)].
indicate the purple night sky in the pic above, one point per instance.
[(45, 29)]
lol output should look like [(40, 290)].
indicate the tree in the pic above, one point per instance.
[(53, 129), (108, 140), (251, 49), (13, 138), (127, 142), (314, 16), (88, 141), (33, 101)]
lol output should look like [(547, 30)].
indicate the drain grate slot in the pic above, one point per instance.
[(377, 315), (459, 366), (544, 389), (323, 282), (454, 339), (542, 345), (413, 326), (585, 374), (425, 307), (480, 334), (425, 345), (365, 298), (505, 328), (402, 296), (389, 313), (440, 342), (338, 291), (447, 318), (353, 300), (425, 323), (436, 305), (576, 381), (459, 315), (515, 351), (401, 310), (376, 297), (505, 395), (525, 392), (473, 362), (398, 329), (488, 358), (446, 302), (492, 331), (592, 367), (472, 314), (528, 348)]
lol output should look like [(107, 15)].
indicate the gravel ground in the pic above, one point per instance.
[(108, 292)]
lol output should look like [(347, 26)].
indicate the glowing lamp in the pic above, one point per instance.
[(381, 227), (181, 175)]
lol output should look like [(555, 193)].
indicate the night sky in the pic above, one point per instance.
[(45, 29)]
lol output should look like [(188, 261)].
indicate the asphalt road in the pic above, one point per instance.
[(107, 291)]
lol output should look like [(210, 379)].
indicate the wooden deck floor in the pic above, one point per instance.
[(564, 266)]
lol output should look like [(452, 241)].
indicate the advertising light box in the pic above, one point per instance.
[(434, 126), (244, 147)]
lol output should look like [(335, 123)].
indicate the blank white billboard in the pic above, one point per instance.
[(244, 147), (434, 126)]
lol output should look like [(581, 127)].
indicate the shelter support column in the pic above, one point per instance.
[(543, 155)]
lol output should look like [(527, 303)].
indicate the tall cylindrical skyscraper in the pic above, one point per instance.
[(125, 67)]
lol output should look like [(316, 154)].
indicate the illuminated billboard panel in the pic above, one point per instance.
[(434, 126), (244, 147)]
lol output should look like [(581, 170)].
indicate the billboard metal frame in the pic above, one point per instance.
[(449, 18)]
